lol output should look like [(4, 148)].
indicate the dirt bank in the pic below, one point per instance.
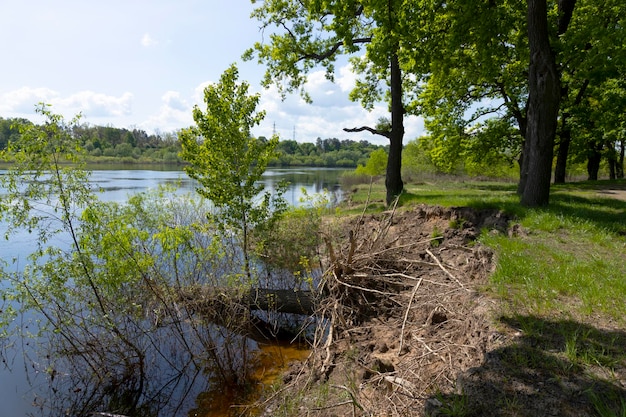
[(410, 333)]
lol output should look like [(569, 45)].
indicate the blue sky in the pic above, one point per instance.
[(144, 64)]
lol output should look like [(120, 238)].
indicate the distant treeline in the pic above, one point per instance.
[(110, 144), (324, 153)]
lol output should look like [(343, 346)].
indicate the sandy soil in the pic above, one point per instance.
[(413, 334)]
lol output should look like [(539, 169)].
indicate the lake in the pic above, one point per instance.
[(17, 390)]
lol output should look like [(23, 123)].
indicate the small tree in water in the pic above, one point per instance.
[(228, 162), (102, 297)]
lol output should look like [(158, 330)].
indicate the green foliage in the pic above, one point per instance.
[(474, 89), (416, 160), (113, 145), (227, 161), (376, 164), (9, 130), (292, 242), (371, 33), (38, 179), (436, 237), (325, 153), (110, 301)]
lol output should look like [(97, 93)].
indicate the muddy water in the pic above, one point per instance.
[(270, 362)]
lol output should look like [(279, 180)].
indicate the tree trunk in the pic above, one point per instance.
[(393, 180), (231, 308), (612, 164), (522, 122), (522, 169), (612, 157), (281, 301), (593, 163), (620, 163), (543, 106), (561, 157), (566, 133)]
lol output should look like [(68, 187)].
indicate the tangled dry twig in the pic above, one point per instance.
[(394, 309)]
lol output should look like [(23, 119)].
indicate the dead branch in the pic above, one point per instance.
[(446, 271), (406, 314)]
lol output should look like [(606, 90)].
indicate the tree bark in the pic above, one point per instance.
[(543, 106), (393, 180), (281, 301), (612, 163), (522, 122), (560, 170), (565, 135), (593, 164), (620, 163)]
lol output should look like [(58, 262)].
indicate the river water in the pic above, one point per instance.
[(16, 379)]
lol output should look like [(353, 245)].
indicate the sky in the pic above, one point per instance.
[(144, 64)]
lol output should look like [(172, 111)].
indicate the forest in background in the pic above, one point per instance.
[(106, 144), (421, 156)]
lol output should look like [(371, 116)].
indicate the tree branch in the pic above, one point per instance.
[(369, 129), (566, 10), (324, 55)]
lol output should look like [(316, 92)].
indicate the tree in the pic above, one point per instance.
[(476, 71), (544, 92), (592, 59), (376, 164), (227, 161), (45, 196), (479, 68), (318, 32), (110, 293)]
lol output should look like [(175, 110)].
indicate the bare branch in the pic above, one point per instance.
[(369, 129)]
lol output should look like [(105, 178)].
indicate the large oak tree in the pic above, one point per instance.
[(308, 34)]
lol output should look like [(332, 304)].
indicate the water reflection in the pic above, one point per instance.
[(166, 381)]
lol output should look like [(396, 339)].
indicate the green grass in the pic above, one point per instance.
[(561, 286), (567, 262), (572, 258)]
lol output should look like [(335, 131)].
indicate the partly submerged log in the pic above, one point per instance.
[(281, 301), (232, 307)]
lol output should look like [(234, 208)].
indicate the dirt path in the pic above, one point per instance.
[(617, 193)]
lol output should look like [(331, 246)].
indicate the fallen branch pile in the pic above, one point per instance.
[(402, 317)]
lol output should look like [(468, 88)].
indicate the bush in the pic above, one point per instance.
[(350, 179)]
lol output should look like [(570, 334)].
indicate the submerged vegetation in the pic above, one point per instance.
[(126, 306)]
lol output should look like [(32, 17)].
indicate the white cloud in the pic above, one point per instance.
[(198, 93), (93, 104), (346, 79), (147, 40), (22, 103), (175, 101), (173, 114), (23, 100)]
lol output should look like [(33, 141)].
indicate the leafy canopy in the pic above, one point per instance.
[(224, 157)]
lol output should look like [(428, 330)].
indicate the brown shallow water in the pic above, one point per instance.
[(270, 361)]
